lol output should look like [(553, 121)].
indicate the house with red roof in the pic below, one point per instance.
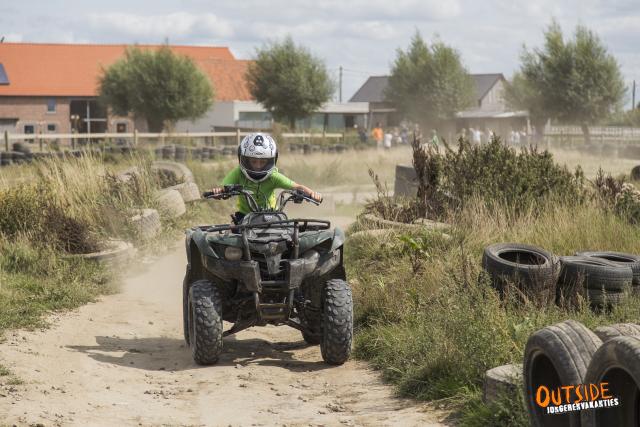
[(53, 88)]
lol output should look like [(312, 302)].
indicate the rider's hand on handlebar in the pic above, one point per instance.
[(217, 190), (315, 196)]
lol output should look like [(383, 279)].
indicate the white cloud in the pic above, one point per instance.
[(173, 25)]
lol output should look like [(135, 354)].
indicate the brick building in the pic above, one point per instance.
[(52, 88)]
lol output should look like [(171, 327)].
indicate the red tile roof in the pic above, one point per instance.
[(73, 69)]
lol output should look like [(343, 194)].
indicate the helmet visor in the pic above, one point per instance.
[(257, 164)]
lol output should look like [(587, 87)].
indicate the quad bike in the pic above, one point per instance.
[(268, 269)]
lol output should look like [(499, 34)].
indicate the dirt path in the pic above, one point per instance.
[(122, 362)]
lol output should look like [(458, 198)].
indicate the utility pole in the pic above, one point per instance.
[(633, 96), (340, 92)]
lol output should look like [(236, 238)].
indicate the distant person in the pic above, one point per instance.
[(396, 136), (463, 133), (516, 138), (362, 134), (404, 135), (477, 136), (378, 134), (490, 135), (388, 137)]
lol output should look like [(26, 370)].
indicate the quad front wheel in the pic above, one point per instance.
[(205, 322), (337, 319)]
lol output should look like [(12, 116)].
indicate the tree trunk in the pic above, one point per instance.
[(585, 132)]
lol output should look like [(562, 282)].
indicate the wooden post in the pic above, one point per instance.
[(40, 142), (237, 136), (73, 141), (344, 137), (135, 137), (6, 140)]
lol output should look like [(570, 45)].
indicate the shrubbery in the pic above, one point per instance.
[(495, 173)]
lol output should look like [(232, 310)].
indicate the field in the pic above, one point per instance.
[(425, 314)]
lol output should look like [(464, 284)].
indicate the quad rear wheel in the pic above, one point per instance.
[(205, 322), (337, 322)]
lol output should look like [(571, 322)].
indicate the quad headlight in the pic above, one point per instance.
[(232, 253)]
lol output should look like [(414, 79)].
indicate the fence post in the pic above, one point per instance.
[(135, 137), (40, 141), (6, 140), (237, 136), (344, 137), (73, 140)]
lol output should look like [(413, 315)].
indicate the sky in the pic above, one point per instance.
[(360, 36)]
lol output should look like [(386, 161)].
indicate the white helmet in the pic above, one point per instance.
[(257, 146)]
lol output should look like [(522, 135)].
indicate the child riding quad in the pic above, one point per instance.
[(265, 268)]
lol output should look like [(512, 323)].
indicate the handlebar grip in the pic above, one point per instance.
[(207, 194)]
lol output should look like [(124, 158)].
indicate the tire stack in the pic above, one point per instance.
[(180, 153), (526, 272), (569, 354), (6, 158), (168, 152), (21, 147), (536, 275)]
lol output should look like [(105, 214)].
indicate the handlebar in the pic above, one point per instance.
[(298, 196)]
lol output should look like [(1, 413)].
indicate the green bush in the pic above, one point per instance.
[(499, 174)]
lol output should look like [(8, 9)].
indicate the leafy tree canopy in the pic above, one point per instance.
[(289, 81), (429, 83), (575, 81), (158, 85)]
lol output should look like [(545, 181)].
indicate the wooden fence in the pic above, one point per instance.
[(71, 139)]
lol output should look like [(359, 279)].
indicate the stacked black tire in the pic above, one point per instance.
[(536, 275)]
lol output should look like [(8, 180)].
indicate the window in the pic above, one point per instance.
[(121, 128), (51, 105), (29, 129), (51, 127), (4, 79)]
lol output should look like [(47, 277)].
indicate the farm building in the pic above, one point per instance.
[(52, 88), (489, 112)]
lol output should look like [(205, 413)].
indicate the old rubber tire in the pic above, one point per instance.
[(170, 203), (606, 333), (533, 269), (616, 362), (556, 356), (188, 190), (180, 172), (146, 223), (621, 258), (500, 381), (595, 273), (337, 322), (600, 298), (635, 173), (205, 322), (115, 254)]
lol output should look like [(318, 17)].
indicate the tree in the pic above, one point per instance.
[(288, 81), (160, 86), (429, 83), (576, 81)]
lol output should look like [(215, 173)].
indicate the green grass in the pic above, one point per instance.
[(434, 333)]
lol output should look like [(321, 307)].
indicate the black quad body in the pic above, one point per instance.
[(268, 269)]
